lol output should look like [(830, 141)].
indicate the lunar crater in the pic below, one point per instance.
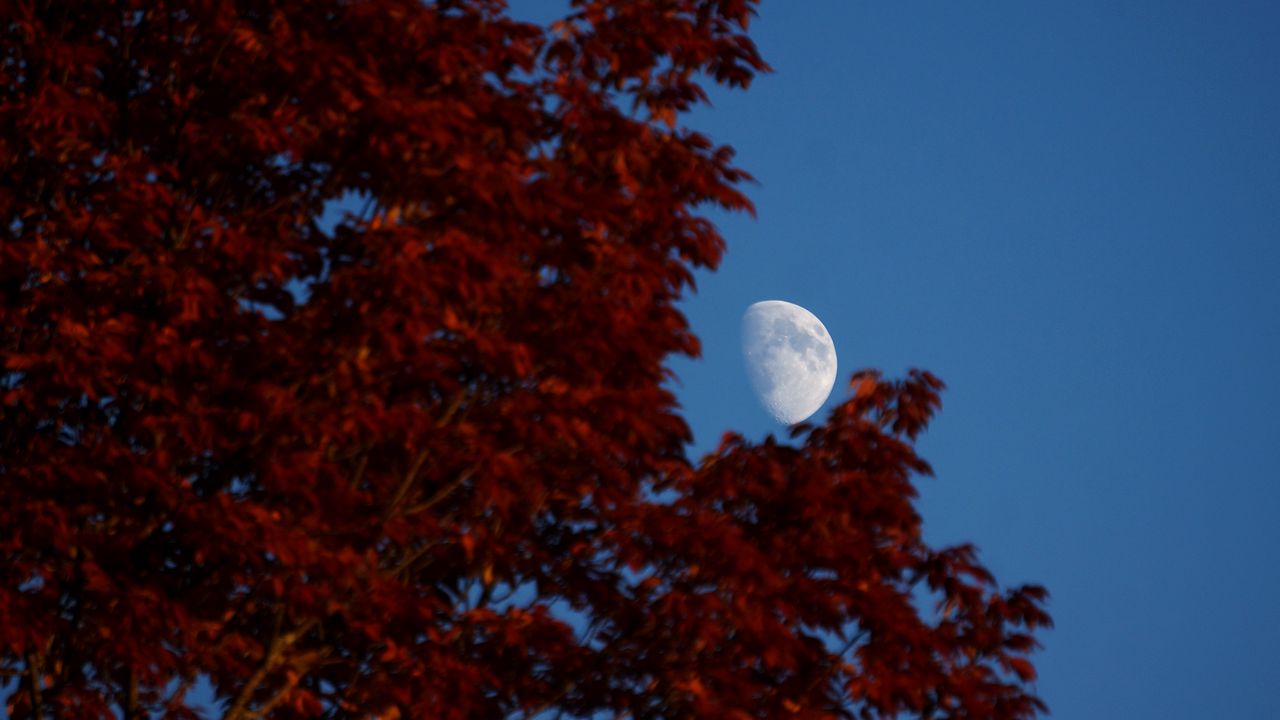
[(790, 359)]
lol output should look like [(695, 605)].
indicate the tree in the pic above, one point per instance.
[(420, 461)]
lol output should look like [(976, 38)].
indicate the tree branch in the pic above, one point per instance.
[(443, 492), (179, 695), (35, 665), (358, 475), (272, 659), (408, 560), (830, 671), (405, 485), (301, 666), (131, 696)]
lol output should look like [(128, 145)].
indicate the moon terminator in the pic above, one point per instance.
[(790, 359)]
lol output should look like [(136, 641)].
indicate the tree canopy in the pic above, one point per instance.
[(420, 460)]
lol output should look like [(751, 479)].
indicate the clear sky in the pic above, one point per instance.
[(1071, 213)]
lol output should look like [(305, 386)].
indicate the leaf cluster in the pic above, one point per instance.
[(419, 459)]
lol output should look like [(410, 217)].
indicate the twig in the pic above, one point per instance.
[(450, 411), (301, 666), (34, 670), (271, 660), (179, 695), (443, 492), (826, 674), (358, 475), (410, 559), (405, 485), (131, 696)]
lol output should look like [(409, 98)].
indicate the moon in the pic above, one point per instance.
[(790, 359)]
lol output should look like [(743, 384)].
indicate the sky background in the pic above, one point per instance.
[(1071, 213)]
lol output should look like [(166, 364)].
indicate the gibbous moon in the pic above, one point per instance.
[(790, 359)]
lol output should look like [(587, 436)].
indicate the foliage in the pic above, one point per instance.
[(421, 461)]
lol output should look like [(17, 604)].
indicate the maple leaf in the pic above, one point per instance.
[(420, 461)]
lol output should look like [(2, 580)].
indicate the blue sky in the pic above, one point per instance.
[(1071, 213)]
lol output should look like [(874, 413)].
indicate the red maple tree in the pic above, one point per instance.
[(421, 461)]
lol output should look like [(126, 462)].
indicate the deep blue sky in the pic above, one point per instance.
[(1071, 213)]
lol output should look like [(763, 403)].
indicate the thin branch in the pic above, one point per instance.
[(457, 482), (179, 695), (550, 702), (405, 485), (131, 696), (270, 661), (358, 475), (450, 411), (443, 492), (35, 665), (831, 669), (301, 665), (408, 560), (369, 205)]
